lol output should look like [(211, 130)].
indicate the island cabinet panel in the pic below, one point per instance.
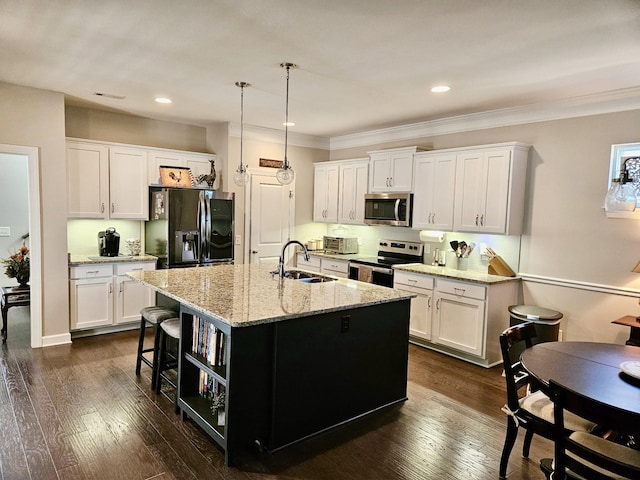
[(287, 380), (332, 368)]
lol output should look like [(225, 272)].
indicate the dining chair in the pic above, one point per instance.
[(527, 406), (583, 455)]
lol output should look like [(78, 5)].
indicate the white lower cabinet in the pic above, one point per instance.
[(332, 266), (324, 265), (102, 295), (312, 265), (459, 318), (421, 305)]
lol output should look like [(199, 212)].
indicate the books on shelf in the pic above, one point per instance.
[(209, 342)]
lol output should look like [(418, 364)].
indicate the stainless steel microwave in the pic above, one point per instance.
[(388, 209)]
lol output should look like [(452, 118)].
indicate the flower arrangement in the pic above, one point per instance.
[(18, 265)]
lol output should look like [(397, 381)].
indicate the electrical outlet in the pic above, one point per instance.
[(238, 239), (5, 231), (483, 249)]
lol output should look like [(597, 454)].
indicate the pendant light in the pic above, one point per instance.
[(285, 174), (621, 197), (241, 177)]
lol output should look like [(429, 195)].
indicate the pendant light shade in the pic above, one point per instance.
[(621, 197), (285, 174), (241, 177)]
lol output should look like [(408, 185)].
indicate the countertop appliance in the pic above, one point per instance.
[(377, 270), (341, 245), (189, 227), (388, 209), (109, 242)]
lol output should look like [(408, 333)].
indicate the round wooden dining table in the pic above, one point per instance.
[(591, 369)]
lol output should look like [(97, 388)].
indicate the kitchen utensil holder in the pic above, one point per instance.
[(463, 263)]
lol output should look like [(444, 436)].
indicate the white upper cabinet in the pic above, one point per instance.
[(128, 192), (391, 170), (353, 184), (197, 162), (433, 187), (490, 189), (87, 180), (325, 192), (106, 181)]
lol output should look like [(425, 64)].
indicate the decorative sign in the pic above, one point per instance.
[(265, 162), (175, 176)]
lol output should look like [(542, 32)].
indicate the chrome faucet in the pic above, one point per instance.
[(281, 271)]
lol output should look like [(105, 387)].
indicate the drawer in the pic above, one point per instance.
[(314, 262), (91, 271), (339, 266), (462, 289), (413, 280), (123, 268)]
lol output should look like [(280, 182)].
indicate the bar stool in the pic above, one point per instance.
[(169, 329), (153, 316)]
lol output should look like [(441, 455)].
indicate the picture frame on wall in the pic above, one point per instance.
[(175, 176)]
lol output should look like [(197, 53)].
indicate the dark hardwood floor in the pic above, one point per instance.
[(79, 412)]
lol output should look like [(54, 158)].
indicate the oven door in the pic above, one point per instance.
[(366, 273)]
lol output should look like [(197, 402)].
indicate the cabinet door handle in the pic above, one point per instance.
[(482, 220), (459, 291), (477, 216), (110, 289), (113, 207), (438, 304), (137, 269), (102, 207), (391, 181), (254, 251), (433, 218), (411, 280), (92, 272), (429, 302)]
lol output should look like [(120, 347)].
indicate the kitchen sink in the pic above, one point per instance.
[(307, 277)]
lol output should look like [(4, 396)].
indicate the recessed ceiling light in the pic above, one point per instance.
[(440, 88), (163, 100)]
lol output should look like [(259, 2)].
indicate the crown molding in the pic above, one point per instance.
[(272, 135), (608, 102)]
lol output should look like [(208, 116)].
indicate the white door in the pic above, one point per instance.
[(271, 212)]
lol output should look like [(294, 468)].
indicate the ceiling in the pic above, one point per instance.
[(363, 64)]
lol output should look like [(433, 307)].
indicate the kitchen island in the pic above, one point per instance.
[(292, 358)]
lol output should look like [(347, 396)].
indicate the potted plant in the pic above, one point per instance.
[(18, 266)]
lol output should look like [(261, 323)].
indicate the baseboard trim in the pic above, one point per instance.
[(52, 340)]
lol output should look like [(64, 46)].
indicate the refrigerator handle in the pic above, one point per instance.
[(207, 240), (202, 225)]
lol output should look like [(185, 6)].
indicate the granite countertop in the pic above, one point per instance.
[(453, 273), (247, 294), (337, 256), (81, 259)]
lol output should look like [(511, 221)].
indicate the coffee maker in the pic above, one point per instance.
[(109, 242)]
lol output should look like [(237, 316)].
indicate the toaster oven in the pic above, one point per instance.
[(342, 245)]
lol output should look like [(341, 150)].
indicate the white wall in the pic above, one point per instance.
[(14, 198), (567, 238), (35, 118)]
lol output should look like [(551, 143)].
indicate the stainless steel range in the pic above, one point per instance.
[(378, 269)]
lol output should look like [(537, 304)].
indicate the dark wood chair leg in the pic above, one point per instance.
[(156, 356), (160, 359), (527, 443), (509, 442), (143, 325)]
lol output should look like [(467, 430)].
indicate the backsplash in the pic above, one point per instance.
[(507, 246), (82, 235)]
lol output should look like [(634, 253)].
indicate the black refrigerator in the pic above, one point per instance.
[(189, 227)]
